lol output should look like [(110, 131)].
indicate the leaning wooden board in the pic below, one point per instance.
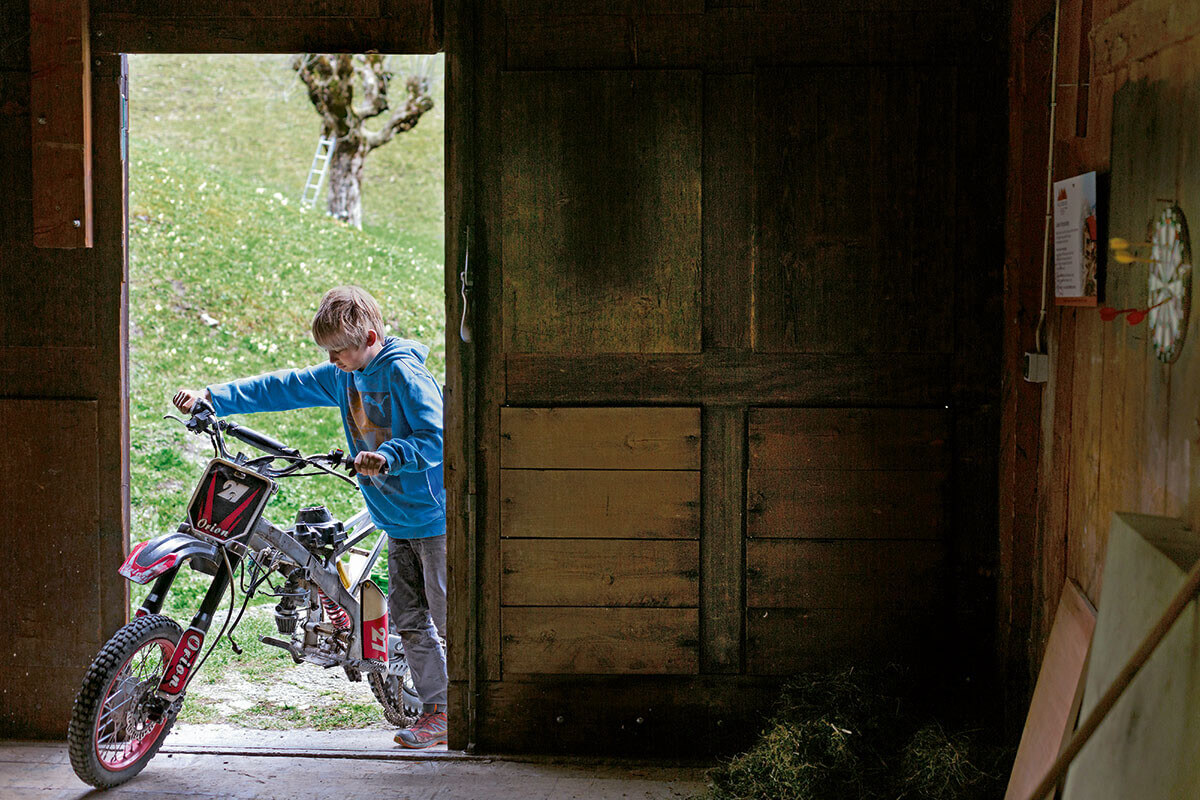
[(1056, 697)]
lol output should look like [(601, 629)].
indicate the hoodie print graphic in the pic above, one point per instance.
[(369, 418)]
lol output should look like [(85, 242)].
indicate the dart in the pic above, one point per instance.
[(1125, 257), (1117, 243)]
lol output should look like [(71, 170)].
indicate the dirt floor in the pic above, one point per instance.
[(220, 762)]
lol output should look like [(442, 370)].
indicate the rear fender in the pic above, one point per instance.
[(154, 557)]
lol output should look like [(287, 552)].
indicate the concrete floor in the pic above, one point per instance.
[(217, 762)]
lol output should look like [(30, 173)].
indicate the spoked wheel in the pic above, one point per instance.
[(397, 695), (116, 727)]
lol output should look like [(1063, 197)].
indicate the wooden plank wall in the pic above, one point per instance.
[(845, 551), (1114, 429), (600, 558), (781, 224), (62, 411), (63, 392)]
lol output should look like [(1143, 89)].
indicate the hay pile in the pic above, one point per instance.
[(861, 734)]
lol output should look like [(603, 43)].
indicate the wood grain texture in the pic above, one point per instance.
[(781, 641), (733, 36), (855, 210), (601, 260), (728, 214), (1029, 43), (849, 439), (634, 715), (60, 106), (1138, 31), (1055, 705), (252, 9), (795, 573), (639, 504), (590, 572), (409, 28), (50, 504), (487, 25), (109, 85), (600, 438), (730, 377), (831, 35), (608, 41), (722, 549), (517, 8), (1054, 462), (655, 641), (846, 504)]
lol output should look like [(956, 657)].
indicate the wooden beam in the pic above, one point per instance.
[(233, 26), (722, 554), (600, 641), (732, 378), (635, 715), (60, 105)]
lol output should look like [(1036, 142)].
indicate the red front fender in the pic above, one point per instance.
[(154, 557)]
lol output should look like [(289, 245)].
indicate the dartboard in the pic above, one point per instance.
[(1170, 283)]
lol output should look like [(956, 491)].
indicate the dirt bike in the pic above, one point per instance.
[(331, 612)]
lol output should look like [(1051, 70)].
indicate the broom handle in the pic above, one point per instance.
[(1191, 586)]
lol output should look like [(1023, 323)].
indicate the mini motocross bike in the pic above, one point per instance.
[(331, 612)]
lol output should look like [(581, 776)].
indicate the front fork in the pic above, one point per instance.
[(158, 593), (178, 673)]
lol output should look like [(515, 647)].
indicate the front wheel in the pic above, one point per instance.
[(117, 724)]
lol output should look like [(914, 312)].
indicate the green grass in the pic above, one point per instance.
[(250, 114), (226, 272)]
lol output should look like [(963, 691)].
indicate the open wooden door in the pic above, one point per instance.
[(736, 350)]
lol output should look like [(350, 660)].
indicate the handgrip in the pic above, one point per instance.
[(353, 472), (259, 440)]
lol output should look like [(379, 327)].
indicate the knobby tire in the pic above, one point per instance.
[(92, 731)]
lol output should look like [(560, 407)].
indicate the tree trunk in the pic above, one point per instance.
[(345, 181)]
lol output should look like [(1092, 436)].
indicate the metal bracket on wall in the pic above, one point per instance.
[(464, 287)]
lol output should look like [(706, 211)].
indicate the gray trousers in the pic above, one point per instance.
[(417, 611)]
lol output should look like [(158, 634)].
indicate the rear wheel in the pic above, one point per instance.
[(397, 695), (117, 724)]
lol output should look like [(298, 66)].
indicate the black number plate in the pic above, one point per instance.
[(228, 500)]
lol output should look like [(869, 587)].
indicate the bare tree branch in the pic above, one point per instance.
[(330, 80), (406, 118), (374, 76)]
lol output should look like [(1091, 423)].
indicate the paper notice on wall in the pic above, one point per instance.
[(1076, 229)]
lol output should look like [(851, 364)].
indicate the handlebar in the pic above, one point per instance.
[(259, 440), (204, 419)]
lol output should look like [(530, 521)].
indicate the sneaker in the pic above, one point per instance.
[(427, 731)]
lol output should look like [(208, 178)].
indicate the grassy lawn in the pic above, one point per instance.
[(225, 274)]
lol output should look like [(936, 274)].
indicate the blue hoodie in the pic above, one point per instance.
[(392, 406)]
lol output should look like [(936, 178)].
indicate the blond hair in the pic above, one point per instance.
[(344, 317)]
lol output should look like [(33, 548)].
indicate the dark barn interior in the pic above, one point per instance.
[(750, 282)]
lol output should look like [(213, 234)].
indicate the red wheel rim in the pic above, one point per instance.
[(115, 745)]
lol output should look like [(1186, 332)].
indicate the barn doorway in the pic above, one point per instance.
[(231, 245)]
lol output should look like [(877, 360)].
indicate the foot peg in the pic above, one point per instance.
[(271, 640)]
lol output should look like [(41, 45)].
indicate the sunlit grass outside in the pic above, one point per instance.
[(226, 271)]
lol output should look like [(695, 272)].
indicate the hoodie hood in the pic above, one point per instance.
[(395, 349)]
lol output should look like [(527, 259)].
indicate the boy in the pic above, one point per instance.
[(392, 414)]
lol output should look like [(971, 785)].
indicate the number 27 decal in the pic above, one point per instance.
[(232, 491)]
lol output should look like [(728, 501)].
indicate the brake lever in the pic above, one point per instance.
[(334, 472)]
